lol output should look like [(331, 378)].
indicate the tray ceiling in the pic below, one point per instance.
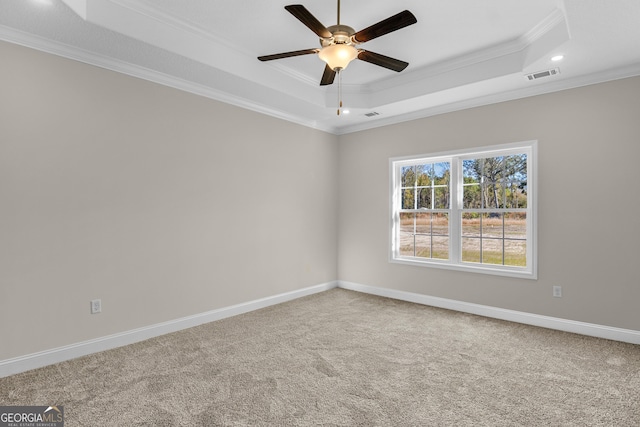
[(461, 53)]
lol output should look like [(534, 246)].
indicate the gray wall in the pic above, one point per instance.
[(161, 203), (589, 235), (165, 204)]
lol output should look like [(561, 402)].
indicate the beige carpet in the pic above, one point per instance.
[(347, 359)]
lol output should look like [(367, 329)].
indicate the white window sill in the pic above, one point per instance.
[(496, 270)]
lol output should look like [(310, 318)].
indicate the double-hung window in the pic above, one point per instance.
[(466, 210)]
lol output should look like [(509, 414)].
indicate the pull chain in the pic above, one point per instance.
[(339, 91)]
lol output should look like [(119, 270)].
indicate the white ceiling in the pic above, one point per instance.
[(462, 53)]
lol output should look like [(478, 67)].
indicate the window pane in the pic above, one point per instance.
[(440, 247), (471, 170), (515, 167), (440, 224), (492, 168), (406, 244), (503, 181), (515, 225), (441, 198), (423, 173), (522, 195), (471, 184), (408, 199), (423, 223), (406, 234), (424, 235), (408, 176), (492, 251), (470, 249), (424, 198), (492, 225), (423, 246), (471, 224), (516, 176), (514, 197), (490, 195), (441, 173), (515, 253), (471, 196), (501, 194), (406, 222)]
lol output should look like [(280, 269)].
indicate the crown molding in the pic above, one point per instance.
[(60, 49), (70, 52), (554, 19), (526, 92)]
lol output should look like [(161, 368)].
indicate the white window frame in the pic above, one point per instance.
[(455, 210)]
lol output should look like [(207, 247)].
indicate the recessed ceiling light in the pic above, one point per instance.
[(557, 58), (345, 111)]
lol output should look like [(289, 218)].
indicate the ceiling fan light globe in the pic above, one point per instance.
[(338, 56)]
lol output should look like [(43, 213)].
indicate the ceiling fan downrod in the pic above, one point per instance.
[(339, 70)]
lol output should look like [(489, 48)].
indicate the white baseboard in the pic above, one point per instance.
[(68, 352), (61, 354), (594, 330)]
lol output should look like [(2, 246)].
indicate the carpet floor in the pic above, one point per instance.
[(342, 358)]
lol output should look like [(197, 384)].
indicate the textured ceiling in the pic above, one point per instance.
[(462, 53)]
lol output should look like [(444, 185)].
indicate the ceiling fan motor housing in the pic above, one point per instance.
[(341, 34)]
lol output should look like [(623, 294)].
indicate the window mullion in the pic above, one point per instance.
[(455, 209)]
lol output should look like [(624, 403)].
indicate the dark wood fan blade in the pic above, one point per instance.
[(328, 76), (304, 16), (287, 54), (400, 20), (383, 61)]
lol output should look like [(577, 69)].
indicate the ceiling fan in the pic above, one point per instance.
[(338, 42)]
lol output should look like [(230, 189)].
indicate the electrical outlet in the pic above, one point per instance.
[(96, 306), (557, 291)]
